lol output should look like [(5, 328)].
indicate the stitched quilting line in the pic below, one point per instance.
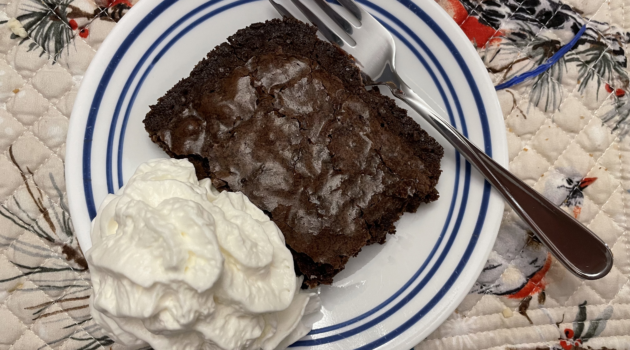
[(493, 36), (54, 301), (24, 334), (553, 123), (28, 128), (520, 52), (554, 309), (543, 325), (37, 221), (602, 206), (544, 67), (21, 326), (34, 172), (522, 97), (577, 144), (54, 152), (613, 142), (618, 291), (530, 345), (74, 35), (561, 307), (573, 140), (553, 167), (54, 256), (75, 334), (544, 26), (26, 328), (624, 200), (79, 275), (572, 93), (625, 194), (600, 210), (21, 186)]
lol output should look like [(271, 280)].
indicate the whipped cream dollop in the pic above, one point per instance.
[(177, 265)]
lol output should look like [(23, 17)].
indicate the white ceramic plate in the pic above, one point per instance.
[(390, 296)]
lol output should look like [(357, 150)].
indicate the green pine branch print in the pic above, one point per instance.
[(52, 25), (46, 23)]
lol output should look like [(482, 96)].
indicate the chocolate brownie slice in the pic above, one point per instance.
[(285, 118)]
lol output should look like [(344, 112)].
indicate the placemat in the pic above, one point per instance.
[(561, 74)]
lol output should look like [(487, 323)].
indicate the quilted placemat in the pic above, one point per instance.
[(561, 74)]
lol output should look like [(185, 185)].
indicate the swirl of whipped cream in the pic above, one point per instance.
[(177, 265)]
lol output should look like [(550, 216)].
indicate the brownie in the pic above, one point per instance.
[(286, 119)]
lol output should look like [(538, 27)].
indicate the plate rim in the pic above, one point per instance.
[(498, 138)]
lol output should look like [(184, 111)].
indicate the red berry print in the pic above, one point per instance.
[(116, 2), (565, 345), (84, 33), (73, 24), (569, 333), (608, 88), (620, 93)]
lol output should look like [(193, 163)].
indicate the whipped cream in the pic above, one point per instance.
[(178, 265)]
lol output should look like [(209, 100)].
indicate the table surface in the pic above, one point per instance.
[(566, 131)]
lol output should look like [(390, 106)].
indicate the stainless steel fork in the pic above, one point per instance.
[(371, 44)]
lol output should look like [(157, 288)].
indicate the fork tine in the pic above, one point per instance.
[(323, 28), (281, 10), (342, 22), (352, 7)]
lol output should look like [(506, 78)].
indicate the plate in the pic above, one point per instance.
[(391, 296)]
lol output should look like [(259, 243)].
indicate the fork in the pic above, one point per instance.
[(373, 47)]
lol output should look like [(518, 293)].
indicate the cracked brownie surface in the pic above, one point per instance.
[(285, 118)]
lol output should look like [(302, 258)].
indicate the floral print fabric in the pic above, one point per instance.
[(567, 137)]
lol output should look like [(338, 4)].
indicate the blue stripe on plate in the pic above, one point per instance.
[(123, 94), (487, 188), (165, 4), (98, 98), (219, 10)]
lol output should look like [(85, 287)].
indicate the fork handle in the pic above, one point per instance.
[(574, 245)]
